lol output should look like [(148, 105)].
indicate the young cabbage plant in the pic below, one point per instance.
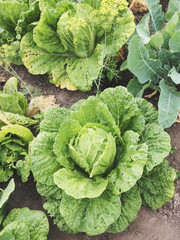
[(73, 39), (99, 161), (154, 59)]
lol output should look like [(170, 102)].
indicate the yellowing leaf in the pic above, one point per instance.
[(4, 119), (41, 104)]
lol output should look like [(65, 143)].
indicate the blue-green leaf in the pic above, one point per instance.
[(169, 104)]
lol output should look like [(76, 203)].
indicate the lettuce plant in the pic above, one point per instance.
[(98, 162), (14, 134), (154, 59), (25, 224), (73, 38)]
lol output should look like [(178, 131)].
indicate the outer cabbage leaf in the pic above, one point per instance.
[(157, 186), (149, 112), (49, 191), (53, 117), (52, 206), (158, 142), (43, 159), (130, 163), (92, 216), (131, 204)]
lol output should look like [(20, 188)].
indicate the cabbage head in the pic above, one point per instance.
[(98, 162), (73, 39)]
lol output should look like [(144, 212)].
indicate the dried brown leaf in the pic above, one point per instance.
[(41, 104), (138, 6)]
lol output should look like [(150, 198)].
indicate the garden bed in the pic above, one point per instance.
[(163, 224)]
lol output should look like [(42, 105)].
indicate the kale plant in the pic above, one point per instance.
[(14, 134), (154, 58)]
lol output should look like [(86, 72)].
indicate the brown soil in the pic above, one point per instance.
[(163, 224)]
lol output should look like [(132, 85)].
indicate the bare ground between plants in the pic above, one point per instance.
[(163, 224)]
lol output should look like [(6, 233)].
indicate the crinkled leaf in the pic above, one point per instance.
[(29, 16), (5, 173), (157, 186), (131, 161), (158, 142), (142, 66), (52, 206), (148, 110), (169, 104), (36, 222), (49, 190), (53, 118), (43, 159), (18, 230), (78, 185), (123, 108), (92, 216), (10, 13), (17, 119), (88, 67), (131, 204)]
